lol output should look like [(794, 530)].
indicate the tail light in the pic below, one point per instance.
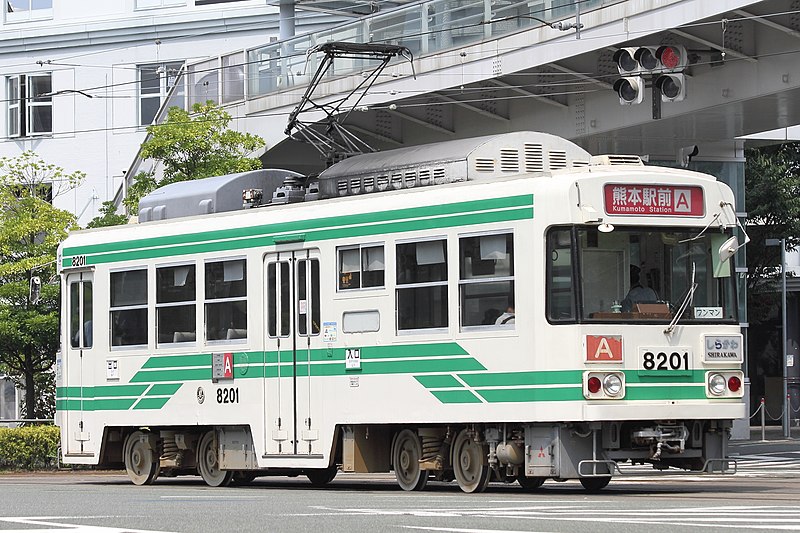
[(603, 385)]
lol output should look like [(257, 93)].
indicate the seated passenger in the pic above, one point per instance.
[(490, 316), (507, 317), (639, 293)]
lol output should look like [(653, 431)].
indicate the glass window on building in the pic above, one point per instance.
[(23, 10), (155, 82), (30, 105)]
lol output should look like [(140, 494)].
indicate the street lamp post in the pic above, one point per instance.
[(787, 406)]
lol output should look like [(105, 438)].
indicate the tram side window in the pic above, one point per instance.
[(129, 308), (175, 304), (226, 300), (308, 308), (80, 315), (422, 285), (361, 267), (486, 285), (278, 305), (560, 283)]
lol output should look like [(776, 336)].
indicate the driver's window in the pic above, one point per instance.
[(560, 282)]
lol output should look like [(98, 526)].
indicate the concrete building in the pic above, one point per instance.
[(82, 78)]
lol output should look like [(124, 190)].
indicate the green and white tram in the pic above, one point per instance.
[(498, 308)]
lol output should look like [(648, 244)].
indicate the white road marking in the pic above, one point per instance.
[(54, 523), (464, 530), (726, 517)]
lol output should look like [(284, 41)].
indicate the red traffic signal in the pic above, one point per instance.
[(672, 57)]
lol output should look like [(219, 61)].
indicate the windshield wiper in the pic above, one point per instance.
[(685, 304)]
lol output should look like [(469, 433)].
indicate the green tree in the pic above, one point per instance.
[(192, 146), (30, 232), (108, 217), (772, 199)]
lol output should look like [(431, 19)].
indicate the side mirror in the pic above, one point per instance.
[(728, 248)]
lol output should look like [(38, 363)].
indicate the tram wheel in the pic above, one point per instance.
[(208, 462), (530, 483), (595, 484), (323, 476), (406, 456), (470, 463), (141, 462)]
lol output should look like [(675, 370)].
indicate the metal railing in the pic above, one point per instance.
[(425, 28)]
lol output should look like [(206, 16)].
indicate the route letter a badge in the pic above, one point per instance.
[(603, 348)]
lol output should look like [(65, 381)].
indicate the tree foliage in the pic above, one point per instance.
[(192, 146), (108, 217), (30, 232), (772, 198)]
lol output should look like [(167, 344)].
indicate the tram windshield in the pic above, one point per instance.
[(638, 274)]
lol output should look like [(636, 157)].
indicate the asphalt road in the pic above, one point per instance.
[(763, 495)]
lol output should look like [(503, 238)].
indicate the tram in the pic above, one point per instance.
[(501, 308)]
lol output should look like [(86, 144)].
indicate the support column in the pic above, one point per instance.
[(286, 20)]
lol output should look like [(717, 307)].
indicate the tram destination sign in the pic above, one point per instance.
[(653, 200)]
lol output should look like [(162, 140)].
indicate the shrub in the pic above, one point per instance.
[(29, 448)]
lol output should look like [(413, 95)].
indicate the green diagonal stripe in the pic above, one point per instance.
[(439, 381), (456, 396), (164, 389)]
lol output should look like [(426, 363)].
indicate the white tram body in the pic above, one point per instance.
[(448, 311)]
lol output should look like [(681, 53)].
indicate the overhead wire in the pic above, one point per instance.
[(582, 79)]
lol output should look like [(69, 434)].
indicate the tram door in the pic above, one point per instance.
[(76, 365), (293, 335)]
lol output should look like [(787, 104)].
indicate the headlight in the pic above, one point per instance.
[(612, 384), (716, 384)]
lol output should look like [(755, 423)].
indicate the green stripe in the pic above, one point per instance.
[(299, 226), (456, 396), (532, 395), (439, 381), (152, 376), (458, 364), (683, 392), (406, 351), (68, 405), (661, 376), (151, 403), (511, 379), (120, 404), (115, 391), (164, 389), (103, 391), (177, 361), (319, 235)]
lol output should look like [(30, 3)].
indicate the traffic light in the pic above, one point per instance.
[(673, 57), (647, 57), (671, 86), (664, 63), (630, 90), (626, 62)]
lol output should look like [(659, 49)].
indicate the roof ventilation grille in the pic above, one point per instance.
[(534, 157), (614, 159), (558, 159), (509, 160), (484, 164)]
